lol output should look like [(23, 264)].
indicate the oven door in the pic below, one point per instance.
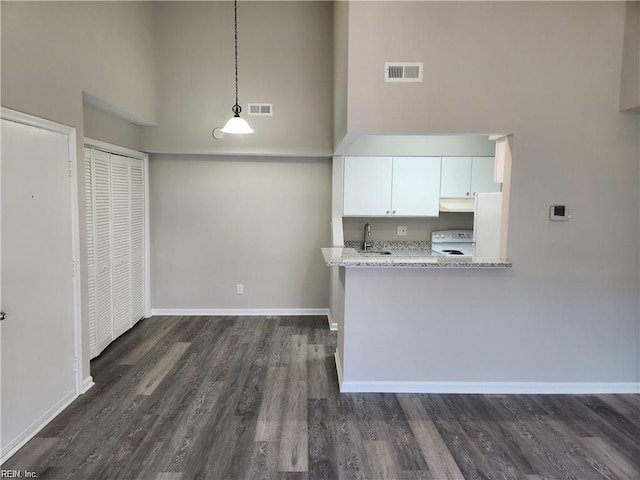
[(453, 249)]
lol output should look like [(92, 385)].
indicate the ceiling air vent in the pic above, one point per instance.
[(261, 109), (403, 71)]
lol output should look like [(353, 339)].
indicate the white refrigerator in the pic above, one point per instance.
[(487, 225)]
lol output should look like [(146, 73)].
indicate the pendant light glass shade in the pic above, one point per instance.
[(235, 123)]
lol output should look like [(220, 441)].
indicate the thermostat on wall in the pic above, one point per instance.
[(559, 213)]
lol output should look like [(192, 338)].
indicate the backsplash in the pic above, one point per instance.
[(418, 229), (398, 248)]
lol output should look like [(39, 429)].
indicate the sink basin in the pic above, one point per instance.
[(373, 253)]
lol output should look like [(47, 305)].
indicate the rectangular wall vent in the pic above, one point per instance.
[(261, 109), (403, 71)]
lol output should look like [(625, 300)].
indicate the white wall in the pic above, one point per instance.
[(437, 338), (221, 221), (52, 52), (340, 70), (106, 127), (548, 72), (630, 76), (284, 58)]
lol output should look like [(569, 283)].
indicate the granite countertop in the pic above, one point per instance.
[(403, 254)]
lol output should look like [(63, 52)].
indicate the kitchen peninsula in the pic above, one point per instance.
[(388, 341)]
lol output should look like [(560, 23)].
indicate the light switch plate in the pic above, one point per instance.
[(402, 231)]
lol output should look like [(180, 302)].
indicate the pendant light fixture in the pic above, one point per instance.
[(235, 123)]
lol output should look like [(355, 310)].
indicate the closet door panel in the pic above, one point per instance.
[(137, 289), (101, 181), (120, 207), (136, 177), (91, 260), (121, 243), (102, 208), (93, 322), (104, 308), (121, 299)]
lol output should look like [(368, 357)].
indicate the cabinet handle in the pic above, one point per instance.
[(394, 212), (387, 212), (3, 316)]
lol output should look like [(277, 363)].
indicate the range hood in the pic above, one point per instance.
[(457, 204)]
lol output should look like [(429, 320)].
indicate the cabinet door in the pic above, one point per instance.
[(482, 176), (416, 186), (456, 177), (367, 186)]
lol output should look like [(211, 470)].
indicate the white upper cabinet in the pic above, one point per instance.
[(456, 177), (465, 176), (482, 176), (367, 186), (415, 190), (384, 186)]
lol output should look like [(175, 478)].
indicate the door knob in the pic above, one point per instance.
[(3, 316)]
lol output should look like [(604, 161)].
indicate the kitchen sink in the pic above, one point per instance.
[(373, 253)]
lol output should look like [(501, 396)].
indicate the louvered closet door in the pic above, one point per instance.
[(101, 220), (136, 177), (121, 244), (91, 258), (115, 200)]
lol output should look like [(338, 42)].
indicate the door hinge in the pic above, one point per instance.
[(70, 168), (75, 363), (73, 268)]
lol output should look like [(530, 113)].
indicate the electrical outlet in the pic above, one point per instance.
[(402, 231), (239, 289)]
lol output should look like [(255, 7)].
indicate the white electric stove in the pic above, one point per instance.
[(452, 243)]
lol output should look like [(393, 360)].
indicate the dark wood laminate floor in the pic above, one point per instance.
[(256, 398)]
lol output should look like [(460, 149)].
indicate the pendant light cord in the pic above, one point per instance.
[(235, 29)]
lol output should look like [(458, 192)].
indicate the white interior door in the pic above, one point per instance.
[(39, 291)]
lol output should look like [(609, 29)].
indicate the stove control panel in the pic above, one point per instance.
[(452, 236)]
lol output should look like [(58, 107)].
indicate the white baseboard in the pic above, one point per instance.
[(237, 312), (333, 326), (487, 387), (87, 384), (17, 443), (339, 370)]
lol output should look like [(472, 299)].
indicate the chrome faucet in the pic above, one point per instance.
[(367, 233)]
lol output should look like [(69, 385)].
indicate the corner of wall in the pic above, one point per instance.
[(630, 70)]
